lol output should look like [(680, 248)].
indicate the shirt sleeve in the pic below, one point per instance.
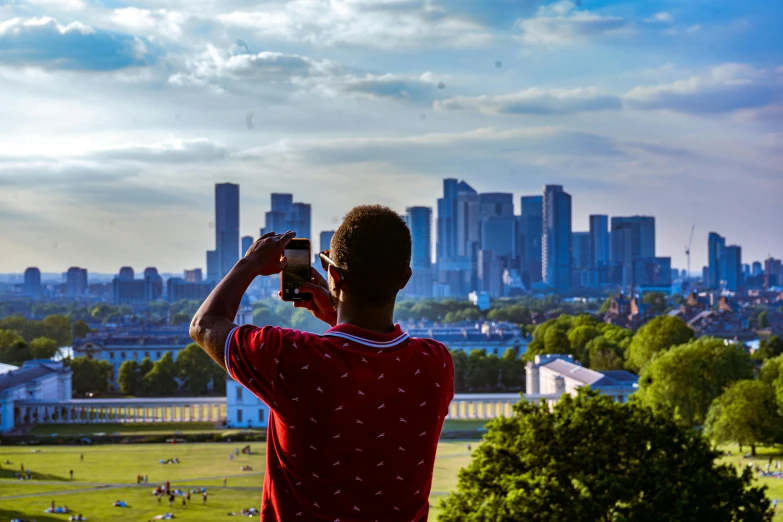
[(252, 356)]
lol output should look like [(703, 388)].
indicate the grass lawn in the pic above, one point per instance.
[(130, 428), (774, 485), (108, 473)]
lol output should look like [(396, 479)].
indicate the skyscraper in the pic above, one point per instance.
[(773, 272), (732, 267), (531, 225), (226, 227), (756, 268), (580, 244), (496, 204), (599, 239), (247, 242), (213, 266), (490, 274), (468, 220), (556, 239), (716, 244), (126, 273), (32, 282), (325, 240), (282, 203), (633, 238), (447, 221), (300, 220), (419, 221), (193, 276), (75, 282)]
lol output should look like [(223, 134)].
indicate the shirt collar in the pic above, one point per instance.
[(366, 337)]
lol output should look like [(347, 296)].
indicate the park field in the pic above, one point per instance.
[(108, 473)]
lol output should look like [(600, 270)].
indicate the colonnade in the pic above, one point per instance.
[(482, 405)]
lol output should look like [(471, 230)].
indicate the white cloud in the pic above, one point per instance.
[(386, 25), (16, 26), (159, 23), (561, 23), (662, 16), (63, 5), (535, 101), (725, 88)]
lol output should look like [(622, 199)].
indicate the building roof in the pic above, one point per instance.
[(617, 378), (574, 371), (23, 376)]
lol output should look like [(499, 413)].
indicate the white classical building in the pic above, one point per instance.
[(550, 376), (36, 381), (243, 409)]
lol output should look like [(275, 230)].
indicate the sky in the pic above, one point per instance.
[(117, 118)]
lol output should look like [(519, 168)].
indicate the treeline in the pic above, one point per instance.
[(24, 339), (154, 312), (194, 372), (479, 372)]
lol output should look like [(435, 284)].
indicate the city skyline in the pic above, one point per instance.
[(657, 108)]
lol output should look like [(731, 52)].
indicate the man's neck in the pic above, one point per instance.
[(380, 320)]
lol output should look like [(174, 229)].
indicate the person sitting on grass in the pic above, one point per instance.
[(355, 413)]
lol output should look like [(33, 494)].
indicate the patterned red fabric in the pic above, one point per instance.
[(354, 423)]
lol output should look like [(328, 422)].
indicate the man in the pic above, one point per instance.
[(355, 413)]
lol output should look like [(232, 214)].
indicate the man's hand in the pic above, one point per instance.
[(320, 305), (265, 256)]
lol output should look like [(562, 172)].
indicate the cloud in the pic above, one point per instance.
[(561, 23), (62, 5), (390, 25), (45, 42), (726, 88), (535, 101), (158, 23), (663, 17)]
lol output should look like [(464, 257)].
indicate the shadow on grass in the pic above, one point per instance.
[(9, 474), (6, 514)]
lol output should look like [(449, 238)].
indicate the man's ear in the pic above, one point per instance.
[(407, 278), (335, 275)]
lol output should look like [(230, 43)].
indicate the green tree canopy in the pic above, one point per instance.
[(43, 348), (579, 336), (80, 329), (763, 320), (90, 375), (769, 348), (129, 378), (746, 413), (657, 302), (592, 459), (656, 336), (13, 349), (196, 369), (687, 378), (603, 354), (161, 380)]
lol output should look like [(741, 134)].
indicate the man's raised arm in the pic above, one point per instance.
[(214, 319)]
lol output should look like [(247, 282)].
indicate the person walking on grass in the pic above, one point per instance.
[(355, 413), (71, 472)]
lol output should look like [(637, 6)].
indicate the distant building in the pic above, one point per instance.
[(556, 239), (127, 274), (756, 268), (493, 338), (490, 273), (716, 244), (136, 291), (226, 227), (213, 266), (549, 377), (301, 219), (530, 230), (243, 409), (447, 221), (178, 289), (773, 271), (653, 272), (481, 300), (600, 246), (325, 240), (32, 283), (75, 282), (21, 389), (419, 221), (732, 268), (286, 215), (247, 242), (633, 237), (193, 276)]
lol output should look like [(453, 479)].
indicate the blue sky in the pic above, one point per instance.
[(119, 117)]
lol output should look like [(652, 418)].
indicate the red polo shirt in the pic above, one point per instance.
[(354, 423)]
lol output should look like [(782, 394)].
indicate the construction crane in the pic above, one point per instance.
[(688, 251)]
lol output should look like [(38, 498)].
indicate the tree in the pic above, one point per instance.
[(592, 459), (90, 375), (605, 306), (746, 413), (512, 371), (13, 349), (145, 367), (603, 354), (763, 320), (656, 301), (129, 378), (43, 348), (80, 329), (770, 370), (769, 348), (687, 378), (161, 380), (579, 337), (196, 369), (460, 360), (656, 336), (180, 318)]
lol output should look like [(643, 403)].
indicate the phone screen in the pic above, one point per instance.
[(297, 272)]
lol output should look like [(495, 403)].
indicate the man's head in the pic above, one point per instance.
[(372, 247)]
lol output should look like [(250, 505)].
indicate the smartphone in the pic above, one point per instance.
[(298, 253)]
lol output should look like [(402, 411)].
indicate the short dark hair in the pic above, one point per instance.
[(373, 246)]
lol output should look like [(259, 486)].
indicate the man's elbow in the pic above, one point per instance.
[(197, 328)]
